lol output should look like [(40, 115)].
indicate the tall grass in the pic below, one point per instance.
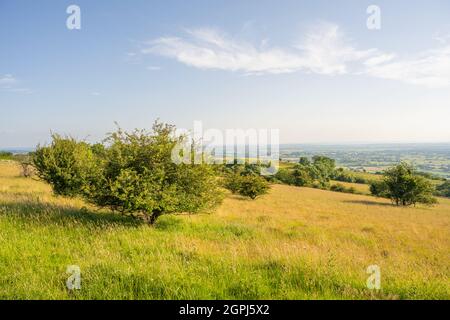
[(294, 243)]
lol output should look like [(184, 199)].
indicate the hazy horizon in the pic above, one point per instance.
[(306, 144), (313, 70)]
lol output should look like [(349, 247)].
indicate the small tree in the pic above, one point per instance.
[(232, 182), (284, 176), (303, 175), (379, 189), (443, 190), (66, 164), (246, 184), (133, 174), (252, 186), (304, 161), (325, 168), (404, 187)]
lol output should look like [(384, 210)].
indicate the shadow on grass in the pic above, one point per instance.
[(47, 213), (369, 203)]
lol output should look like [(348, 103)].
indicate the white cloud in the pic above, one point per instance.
[(430, 68), (379, 59), (324, 50), (8, 83)]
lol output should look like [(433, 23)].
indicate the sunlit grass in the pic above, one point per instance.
[(294, 243)]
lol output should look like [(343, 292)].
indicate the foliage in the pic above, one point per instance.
[(304, 161), (67, 165), (304, 175), (232, 182), (132, 174), (443, 190), (252, 186), (340, 174), (404, 187), (245, 182), (4, 155), (284, 176), (250, 250), (341, 188), (325, 167), (315, 174), (379, 189)]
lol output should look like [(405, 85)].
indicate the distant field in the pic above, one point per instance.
[(430, 158), (294, 243)]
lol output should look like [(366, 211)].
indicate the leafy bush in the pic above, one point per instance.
[(316, 174), (325, 168), (247, 185), (67, 165), (343, 175), (443, 190), (341, 188), (133, 173), (404, 187), (232, 182), (361, 180), (284, 176), (253, 186), (379, 189), (6, 155)]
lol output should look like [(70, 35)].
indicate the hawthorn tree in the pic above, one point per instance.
[(404, 186), (131, 173), (66, 164), (246, 181), (252, 186)]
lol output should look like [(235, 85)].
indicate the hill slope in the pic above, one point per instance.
[(294, 243)]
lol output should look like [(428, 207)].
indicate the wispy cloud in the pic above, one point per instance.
[(325, 49), (430, 68), (9, 83)]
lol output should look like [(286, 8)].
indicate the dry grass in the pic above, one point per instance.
[(294, 243)]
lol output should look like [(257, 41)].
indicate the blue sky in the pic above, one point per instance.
[(311, 69)]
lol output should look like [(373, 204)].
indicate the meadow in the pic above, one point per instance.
[(293, 243)]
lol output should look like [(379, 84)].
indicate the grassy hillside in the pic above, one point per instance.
[(294, 243)]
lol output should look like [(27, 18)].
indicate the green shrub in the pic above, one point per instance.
[(341, 188), (232, 182), (67, 165), (284, 176), (6, 155), (252, 186), (404, 186), (379, 189), (247, 185), (132, 174), (443, 190)]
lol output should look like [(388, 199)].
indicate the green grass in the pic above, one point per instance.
[(294, 243)]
